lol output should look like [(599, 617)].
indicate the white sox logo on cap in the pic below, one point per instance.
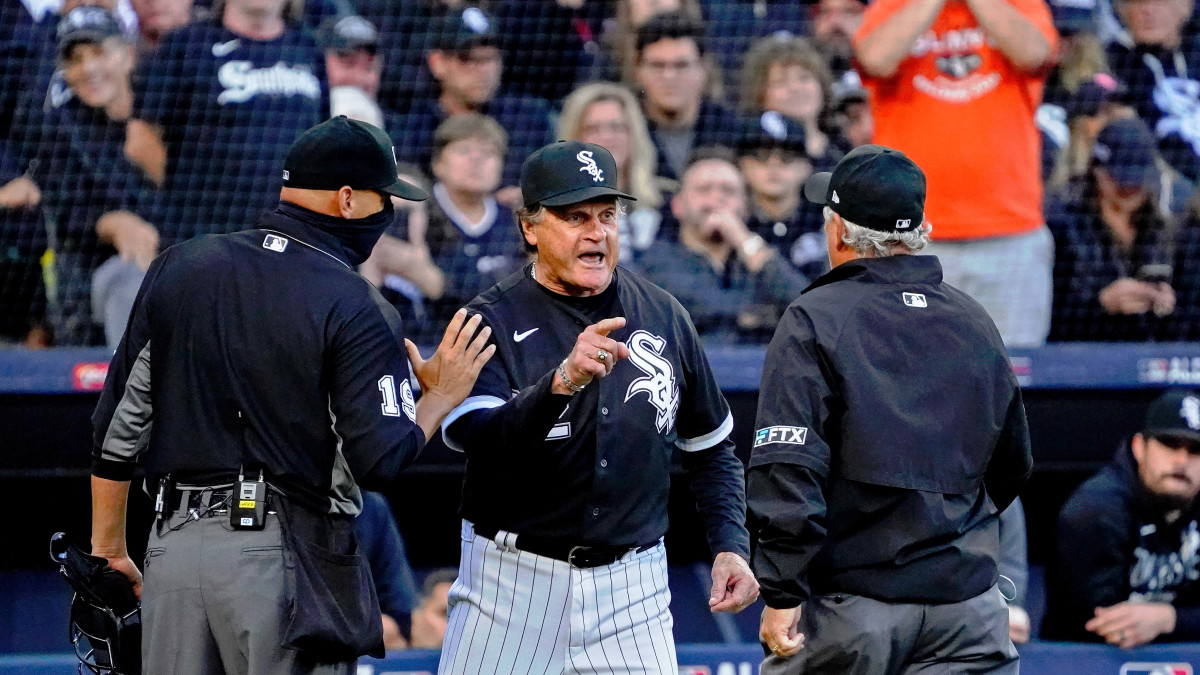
[(589, 165)]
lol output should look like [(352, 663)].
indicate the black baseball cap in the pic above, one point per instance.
[(86, 24), (1126, 150), (569, 172), (770, 130), (349, 32), (342, 151), (872, 186), (1175, 414), (461, 29)]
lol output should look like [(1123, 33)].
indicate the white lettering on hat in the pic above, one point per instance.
[(476, 20), (772, 123), (287, 174), (903, 223), (1102, 152), (589, 165), (1189, 410), (834, 198)]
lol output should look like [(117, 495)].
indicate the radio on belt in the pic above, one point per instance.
[(248, 505)]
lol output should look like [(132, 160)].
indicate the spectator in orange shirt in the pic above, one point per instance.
[(955, 84)]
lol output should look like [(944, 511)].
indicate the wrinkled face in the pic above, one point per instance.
[(577, 246), (774, 174), (429, 619), (671, 74), (98, 72), (1155, 22), (604, 124), (794, 91), (470, 165), (156, 17), (470, 76), (355, 68), (710, 186), (1168, 467), (835, 23)]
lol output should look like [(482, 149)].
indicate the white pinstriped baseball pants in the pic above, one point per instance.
[(516, 613)]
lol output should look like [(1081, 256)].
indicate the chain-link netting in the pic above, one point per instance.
[(131, 125)]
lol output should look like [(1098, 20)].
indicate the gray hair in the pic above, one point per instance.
[(879, 244)]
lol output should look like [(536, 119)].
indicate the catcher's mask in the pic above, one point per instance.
[(106, 619)]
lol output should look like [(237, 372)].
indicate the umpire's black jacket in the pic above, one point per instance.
[(890, 434), (261, 348)]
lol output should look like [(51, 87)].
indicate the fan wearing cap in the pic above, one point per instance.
[(262, 355), (599, 379), (74, 167), (772, 156), (1111, 244), (464, 64), (733, 284), (1127, 570), (890, 436)]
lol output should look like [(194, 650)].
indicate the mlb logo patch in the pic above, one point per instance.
[(1156, 669), (904, 224), (915, 299), (274, 243)]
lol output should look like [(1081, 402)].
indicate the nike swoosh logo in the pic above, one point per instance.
[(224, 48), (517, 337)]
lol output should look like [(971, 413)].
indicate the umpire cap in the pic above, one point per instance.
[(342, 151), (569, 172), (872, 186)]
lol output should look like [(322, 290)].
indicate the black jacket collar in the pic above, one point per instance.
[(313, 236)]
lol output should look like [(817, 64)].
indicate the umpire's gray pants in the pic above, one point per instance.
[(213, 601), (853, 635)]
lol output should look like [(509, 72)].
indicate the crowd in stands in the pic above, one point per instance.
[(1061, 149), (1061, 140)]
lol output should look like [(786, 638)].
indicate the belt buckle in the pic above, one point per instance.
[(582, 552)]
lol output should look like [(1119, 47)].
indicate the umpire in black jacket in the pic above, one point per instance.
[(263, 355), (890, 436)]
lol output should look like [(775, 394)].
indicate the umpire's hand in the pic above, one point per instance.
[(594, 354)]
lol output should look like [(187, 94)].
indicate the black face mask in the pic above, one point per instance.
[(357, 235)]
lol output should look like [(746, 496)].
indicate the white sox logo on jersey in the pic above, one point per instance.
[(645, 352), (242, 82), (589, 165)]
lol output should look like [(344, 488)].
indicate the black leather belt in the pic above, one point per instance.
[(568, 552)]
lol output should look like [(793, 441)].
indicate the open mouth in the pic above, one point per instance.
[(592, 258)]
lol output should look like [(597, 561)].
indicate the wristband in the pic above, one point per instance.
[(562, 375)]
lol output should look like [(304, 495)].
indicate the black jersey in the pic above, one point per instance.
[(262, 349), (229, 107), (595, 468)]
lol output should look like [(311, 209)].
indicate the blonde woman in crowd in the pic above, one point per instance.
[(608, 115)]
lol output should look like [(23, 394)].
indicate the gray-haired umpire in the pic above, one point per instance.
[(260, 382), (890, 436)]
